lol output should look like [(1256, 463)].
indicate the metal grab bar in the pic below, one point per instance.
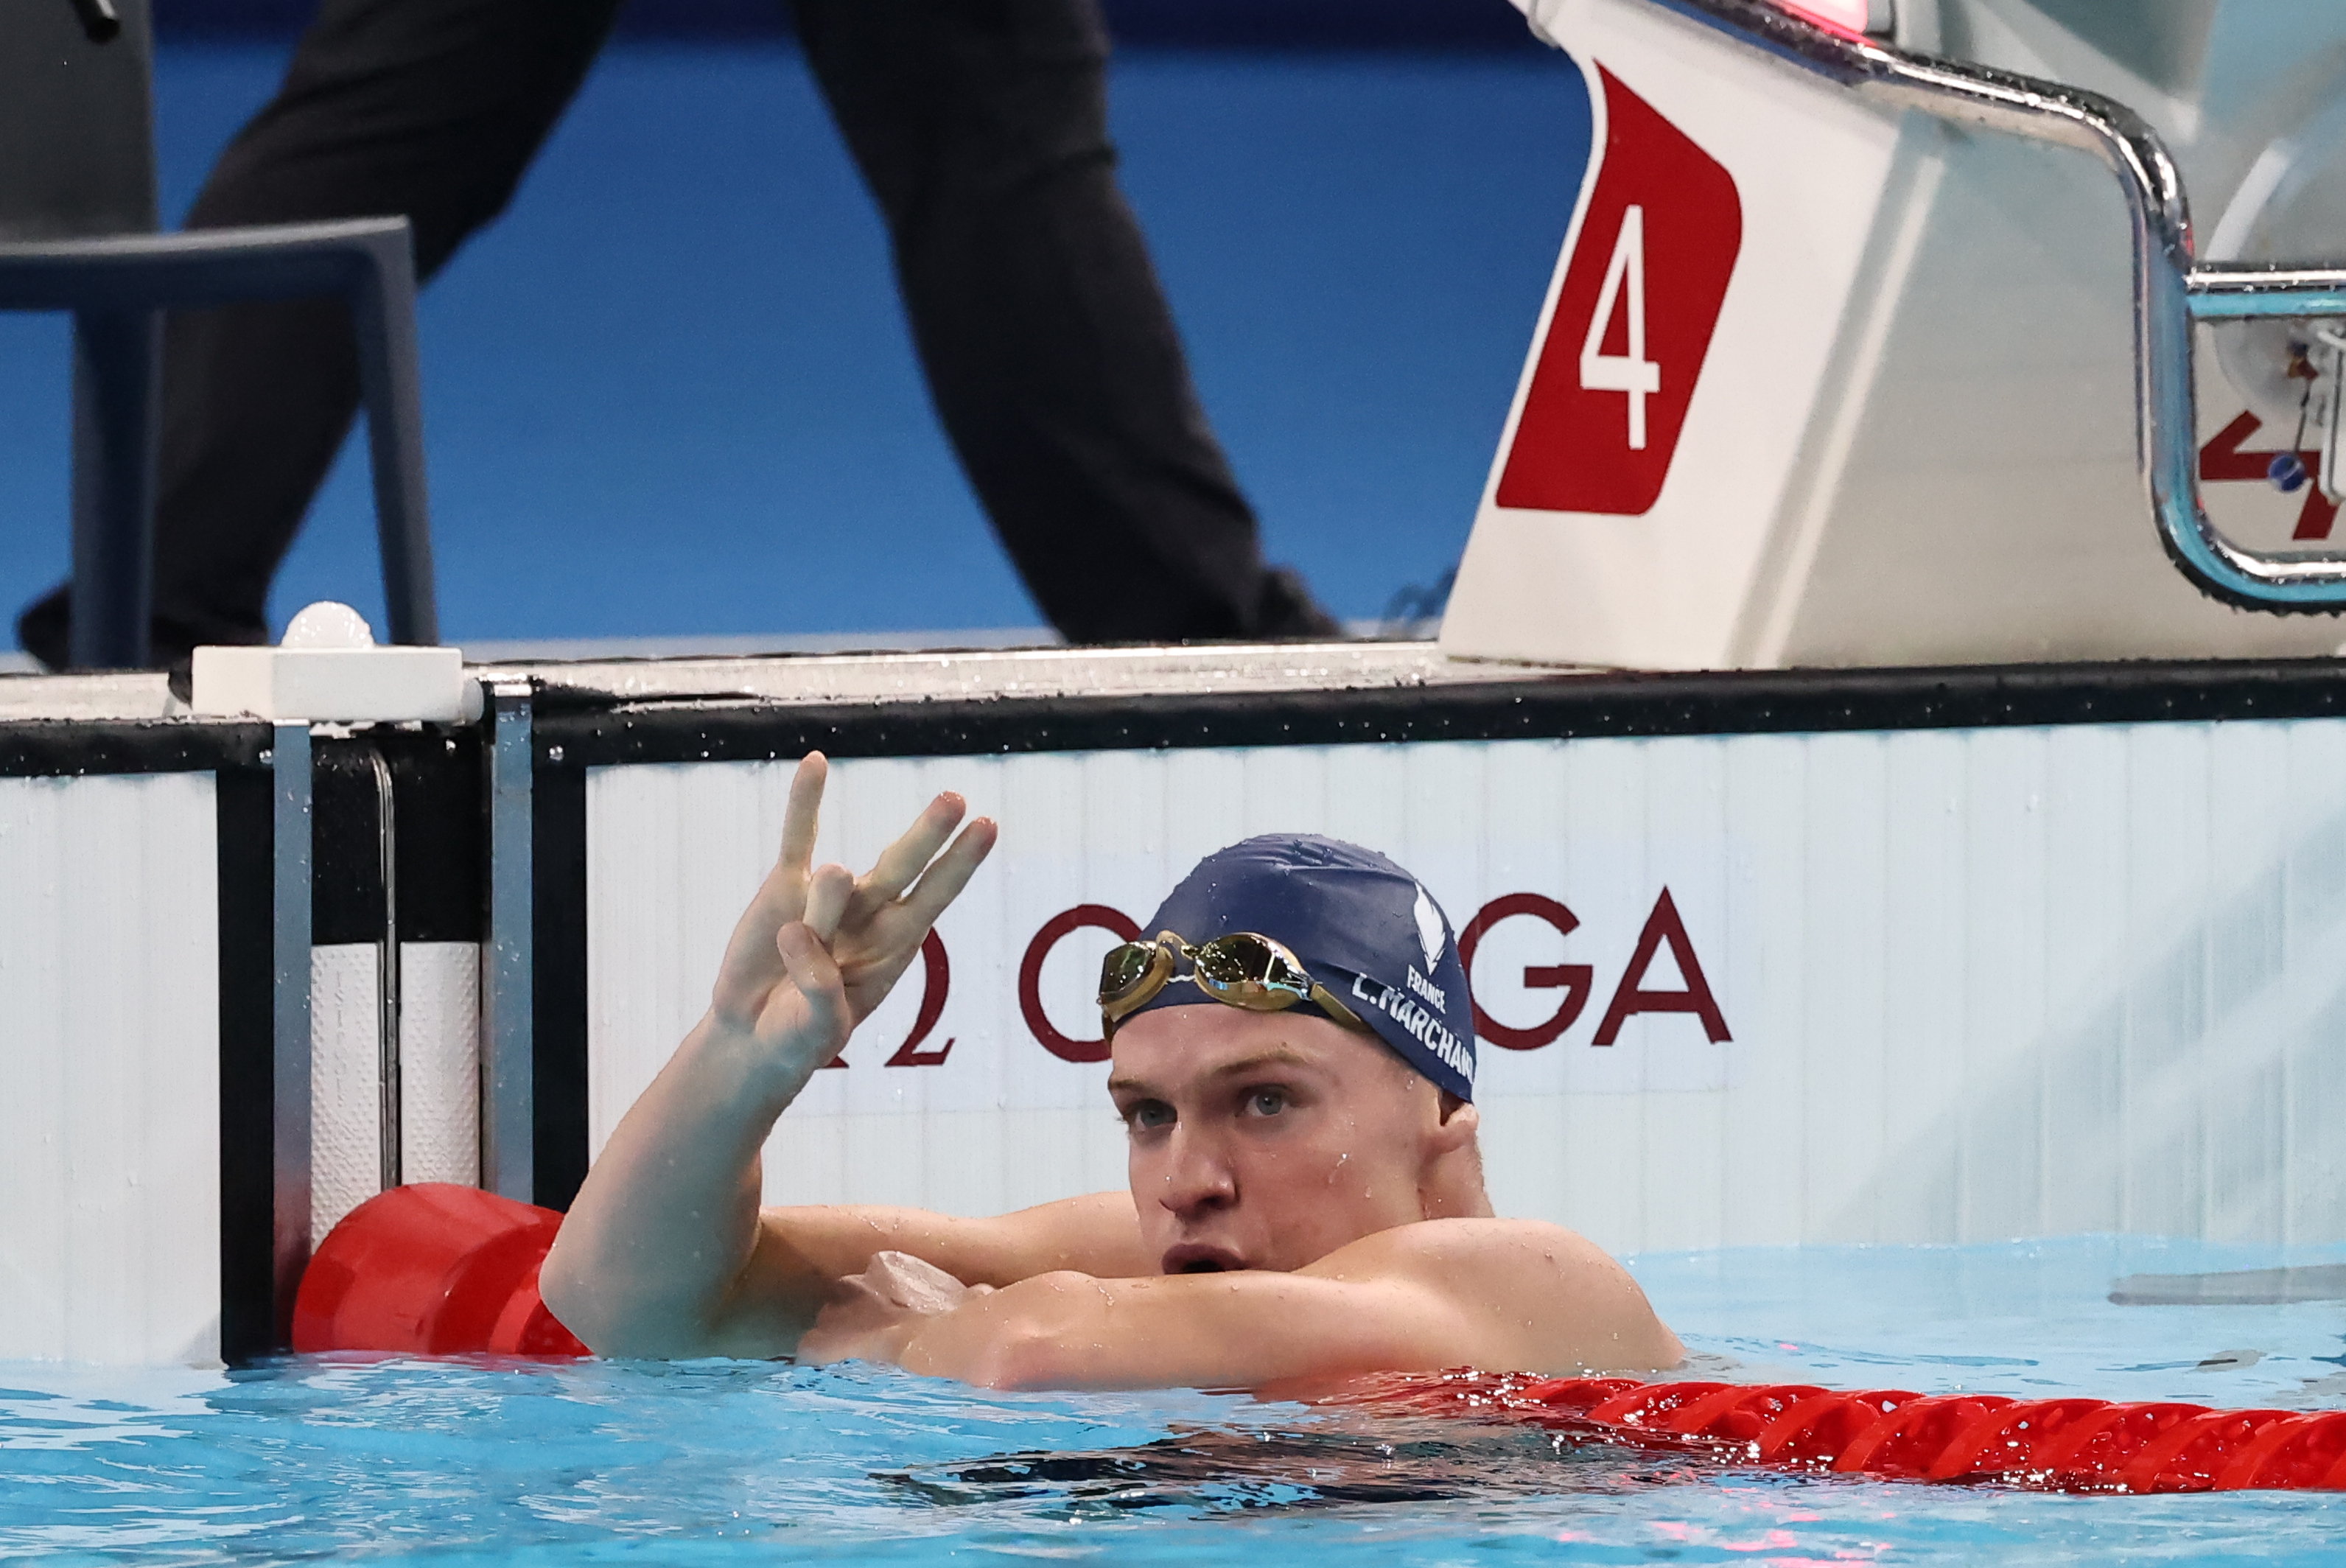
[(2170, 291), (2244, 291), (100, 22)]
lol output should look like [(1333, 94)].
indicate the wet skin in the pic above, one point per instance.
[(1301, 1203), (1269, 1140)]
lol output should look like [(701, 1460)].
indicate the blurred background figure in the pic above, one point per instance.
[(661, 399)]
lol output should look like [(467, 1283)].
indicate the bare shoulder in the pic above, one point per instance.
[(1492, 1243), (1534, 1296)]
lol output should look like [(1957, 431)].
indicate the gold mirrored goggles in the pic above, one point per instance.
[(1244, 969)]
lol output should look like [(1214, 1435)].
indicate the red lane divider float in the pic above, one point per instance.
[(435, 1270), (2053, 1445), (432, 1269)]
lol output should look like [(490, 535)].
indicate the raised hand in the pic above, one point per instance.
[(660, 1253), (818, 948)]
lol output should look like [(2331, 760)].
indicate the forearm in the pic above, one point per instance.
[(1068, 1330), (652, 1258), (1095, 1234), (1005, 1339)]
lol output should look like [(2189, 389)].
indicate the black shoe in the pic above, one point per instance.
[(44, 629), (1288, 612)]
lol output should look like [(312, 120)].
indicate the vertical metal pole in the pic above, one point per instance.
[(383, 313), (387, 1064), (508, 997), (118, 418), (289, 1241)]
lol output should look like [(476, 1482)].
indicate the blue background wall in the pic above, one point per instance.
[(670, 392)]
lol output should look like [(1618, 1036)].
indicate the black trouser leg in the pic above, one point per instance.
[(981, 127), (432, 108)]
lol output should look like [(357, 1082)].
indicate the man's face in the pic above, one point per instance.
[(1267, 1140)]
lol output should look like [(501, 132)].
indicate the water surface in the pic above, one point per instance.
[(735, 1462)]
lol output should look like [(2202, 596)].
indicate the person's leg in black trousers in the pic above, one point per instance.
[(981, 127), (428, 107)]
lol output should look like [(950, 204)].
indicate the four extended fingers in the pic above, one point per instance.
[(828, 895), (832, 896)]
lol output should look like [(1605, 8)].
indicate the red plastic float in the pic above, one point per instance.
[(432, 1269), (435, 1270), (2055, 1445)]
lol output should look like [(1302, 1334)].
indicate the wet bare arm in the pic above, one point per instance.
[(802, 1252), (1498, 1294), (656, 1257)]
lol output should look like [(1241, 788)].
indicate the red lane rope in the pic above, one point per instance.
[(437, 1270), (2051, 1445)]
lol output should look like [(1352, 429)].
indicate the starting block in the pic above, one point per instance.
[(1855, 357)]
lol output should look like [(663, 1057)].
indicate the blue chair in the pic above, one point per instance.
[(77, 232)]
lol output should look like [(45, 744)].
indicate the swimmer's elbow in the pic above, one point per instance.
[(1015, 1355), (598, 1316), (1021, 1358), (1020, 1340), (574, 1306)]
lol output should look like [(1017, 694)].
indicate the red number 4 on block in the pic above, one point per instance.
[(1632, 323)]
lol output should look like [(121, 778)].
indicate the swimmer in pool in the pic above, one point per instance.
[(1293, 1063)]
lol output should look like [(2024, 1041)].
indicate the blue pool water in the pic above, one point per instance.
[(723, 1462)]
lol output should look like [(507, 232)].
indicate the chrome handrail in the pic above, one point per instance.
[(2171, 291)]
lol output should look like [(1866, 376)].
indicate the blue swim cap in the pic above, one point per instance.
[(1363, 928)]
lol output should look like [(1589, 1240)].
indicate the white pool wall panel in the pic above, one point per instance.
[(345, 1075), (1981, 984), (110, 1070), (440, 1072), (440, 1061)]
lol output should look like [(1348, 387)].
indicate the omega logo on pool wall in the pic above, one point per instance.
[(1631, 994)]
